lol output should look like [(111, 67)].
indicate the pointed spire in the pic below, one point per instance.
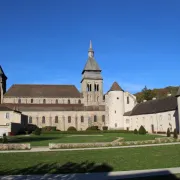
[(90, 51), (2, 72)]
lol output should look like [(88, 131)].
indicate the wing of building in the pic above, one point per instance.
[(64, 106)]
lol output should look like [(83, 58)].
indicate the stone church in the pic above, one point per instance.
[(65, 106)]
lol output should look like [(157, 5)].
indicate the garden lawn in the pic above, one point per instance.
[(45, 139), (90, 160)]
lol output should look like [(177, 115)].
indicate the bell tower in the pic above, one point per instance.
[(3, 79), (92, 81)]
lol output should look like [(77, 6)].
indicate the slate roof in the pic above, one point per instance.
[(25, 90), (91, 65), (115, 87), (55, 107), (154, 106)]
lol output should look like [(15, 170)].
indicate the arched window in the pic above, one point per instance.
[(44, 101), (56, 101), (103, 118), (56, 119), (31, 100), (97, 87), (19, 101), (30, 119), (69, 119), (128, 100), (95, 118), (89, 87), (69, 101), (82, 119), (79, 101), (43, 119), (7, 116)]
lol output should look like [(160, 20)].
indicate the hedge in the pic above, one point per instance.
[(88, 132)]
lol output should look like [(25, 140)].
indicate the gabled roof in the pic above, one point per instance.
[(115, 87), (91, 65), (46, 91), (154, 106)]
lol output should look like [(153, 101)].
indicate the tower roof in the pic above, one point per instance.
[(115, 87), (2, 72), (178, 92), (91, 64)]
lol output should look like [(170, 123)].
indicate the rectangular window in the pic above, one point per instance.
[(7, 116)]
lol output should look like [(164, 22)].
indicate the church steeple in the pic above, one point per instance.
[(90, 51), (92, 81)]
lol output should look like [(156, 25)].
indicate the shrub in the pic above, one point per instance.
[(71, 128), (105, 128), (37, 131), (175, 135), (94, 128), (135, 131), (168, 133), (29, 128), (4, 139), (49, 128), (142, 130)]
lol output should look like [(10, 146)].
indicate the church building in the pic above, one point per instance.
[(64, 106)]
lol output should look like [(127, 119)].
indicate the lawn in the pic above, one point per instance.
[(90, 161), (45, 139)]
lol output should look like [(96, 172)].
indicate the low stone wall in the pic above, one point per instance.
[(15, 147), (84, 145), (117, 142)]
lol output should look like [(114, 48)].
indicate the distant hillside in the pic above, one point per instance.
[(148, 94)]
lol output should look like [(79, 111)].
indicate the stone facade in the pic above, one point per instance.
[(64, 106)]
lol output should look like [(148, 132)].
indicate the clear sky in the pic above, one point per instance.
[(136, 42)]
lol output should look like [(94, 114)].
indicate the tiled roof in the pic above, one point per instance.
[(154, 106), (48, 91), (115, 87), (55, 107)]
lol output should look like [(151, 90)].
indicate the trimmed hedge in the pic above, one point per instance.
[(135, 131), (71, 128), (142, 130), (88, 132), (105, 128), (168, 133), (93, 128), (37, 131), (49, 128)]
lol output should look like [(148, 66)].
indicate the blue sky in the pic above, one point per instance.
[(136, 43)]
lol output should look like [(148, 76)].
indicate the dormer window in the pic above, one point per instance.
[(44, 101), (31, 101)]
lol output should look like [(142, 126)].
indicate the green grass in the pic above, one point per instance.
[(90, 160), (45, 139)]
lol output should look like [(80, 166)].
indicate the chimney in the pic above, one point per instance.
[(154, 98), (169, 94), (144, 100)]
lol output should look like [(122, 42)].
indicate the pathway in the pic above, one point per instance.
[(99, 176), (46, 148)]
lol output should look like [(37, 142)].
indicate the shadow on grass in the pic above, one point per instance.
[(56, 168)]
